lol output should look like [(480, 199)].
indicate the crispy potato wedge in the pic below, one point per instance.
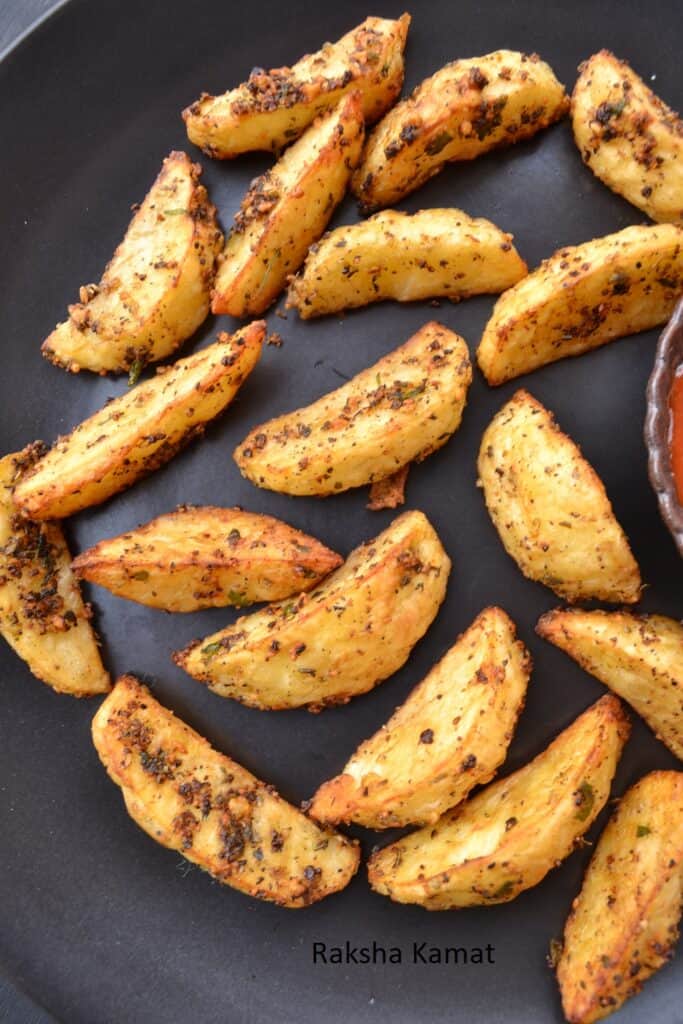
[(287, 209), (191, 798), (630, 139), (42, 615), (624, 923), (275, 107), (508, 837), (207, 558), (155, 292), (339, 641), (390, 491), (404, 407), (462, 111), (401, 256), (449, 736), (640, 658), (582, 297), (551, 509), (140, 430)]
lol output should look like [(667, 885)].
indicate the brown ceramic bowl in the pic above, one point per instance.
[(668, 359)]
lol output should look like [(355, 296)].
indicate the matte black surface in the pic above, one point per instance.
[(98, 923)]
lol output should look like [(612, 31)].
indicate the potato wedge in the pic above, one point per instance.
[(404, 407), (467, 108), (449, 736), (139, 431), (191, 798), (508, 837), (406, 257), (42, 615), (550, 507), (630, 139), (326, 647), (287, 209), (640, 658), (582, 297), (624, 923), (275, 107), (207, 558), (155, 292)]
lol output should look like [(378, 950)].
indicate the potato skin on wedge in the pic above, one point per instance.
[(42, 615), (582, 297), (624, 923), (511, 834), (640, 658), (193, 799), (467, 108), (155, 291), (275, 107), (356, 629), (207, 558), (551, 509), (139, 431), (406, 257), (287, 209), (449, 736), (628, 137), (401, 409)]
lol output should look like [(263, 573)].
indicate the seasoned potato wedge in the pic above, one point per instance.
[(550, 507), (450, 735), (630, 139), (508, 837), (404, 407), (287, 209), (462, 111), (582, 297), (275, 107), (640, 658), (42, 615), (425, 255), (624, 924), (155, 292), (191, 798), (139, 431), (207, 557), (328, 646)]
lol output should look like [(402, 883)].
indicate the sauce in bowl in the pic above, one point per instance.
[(676, 432), (663, 428)]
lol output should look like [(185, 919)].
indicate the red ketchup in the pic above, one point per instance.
[(676, 432)]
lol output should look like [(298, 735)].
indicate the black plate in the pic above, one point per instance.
[(98, 923)]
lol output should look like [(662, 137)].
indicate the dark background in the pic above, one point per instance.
[(97, 923)]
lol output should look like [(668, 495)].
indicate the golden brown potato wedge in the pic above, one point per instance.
[(404, 407), (462, 111), (508, 837), (449, 736), (42, 615), (630, 139), (624, 923), (425, 255), (191, 798), (287, 209), (155, 292), (354, 630), (550, 507), (582, 297), (207, 558), (275, 107), (139, 431), (640, 658), (390, 491)]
